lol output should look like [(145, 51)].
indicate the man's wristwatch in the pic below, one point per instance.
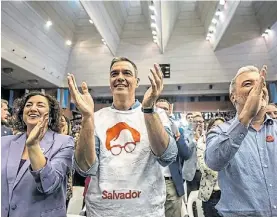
[(147, 110)]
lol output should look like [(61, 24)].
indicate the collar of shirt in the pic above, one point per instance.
[(134, 106)]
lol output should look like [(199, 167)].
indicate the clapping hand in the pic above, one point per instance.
[(83, 101), (253, 103), (38, 131), (153, 93)]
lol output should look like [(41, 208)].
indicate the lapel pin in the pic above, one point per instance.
[(269, 138)]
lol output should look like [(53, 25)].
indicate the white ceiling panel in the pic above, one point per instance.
[(41, 53)]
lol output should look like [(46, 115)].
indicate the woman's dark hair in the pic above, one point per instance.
[(211, 122), (54, 111)]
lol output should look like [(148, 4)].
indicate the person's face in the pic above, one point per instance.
[(164, 106), (271, 110), (217, 122), (123, 79), (34, 109), (77, 136), (63, 122), (4, 112), (244, 84), (190, 118), (198, 122)]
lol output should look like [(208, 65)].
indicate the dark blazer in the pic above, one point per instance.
[(35, 193), (184, 153), (5, 131)]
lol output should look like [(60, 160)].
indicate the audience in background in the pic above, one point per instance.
[(189, 117), (271, 110), (5, 130), (209, 191), (65, 129), (195, 175), (173, 173)]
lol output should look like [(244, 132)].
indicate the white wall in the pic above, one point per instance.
[(266, 13), (243, 26), (23, 29), (206, 10), (169, 13), (271, 43)]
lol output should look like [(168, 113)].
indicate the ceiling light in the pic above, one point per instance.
[(49, 23), (153, 17), (153, 25), (214, 21), (155, 37), (267, 30), (151, 7), (209, 34), (212, 29), (222, 2), (91, 21), (68, 42), (208, 38), (103, 40), (154, 32), (155, 41), (217, 13)]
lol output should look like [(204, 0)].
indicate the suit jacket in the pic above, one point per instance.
[(5, 131), (184, 153), (39, 193), (189, 167)]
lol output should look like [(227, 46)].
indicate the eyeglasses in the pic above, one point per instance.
[(128, 147)]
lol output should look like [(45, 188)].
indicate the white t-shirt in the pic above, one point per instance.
[(129, 181)]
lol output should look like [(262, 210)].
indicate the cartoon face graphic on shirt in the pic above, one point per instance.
[(121, 136)]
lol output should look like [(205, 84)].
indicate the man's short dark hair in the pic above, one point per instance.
[(121, 59), (188, 114)]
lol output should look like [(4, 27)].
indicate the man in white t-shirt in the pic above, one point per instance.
[(122, 147)]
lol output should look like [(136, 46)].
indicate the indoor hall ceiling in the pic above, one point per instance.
[(20, 78), (100, 30)]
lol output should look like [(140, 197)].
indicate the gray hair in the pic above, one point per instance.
[(240, 71), (3, 101)]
